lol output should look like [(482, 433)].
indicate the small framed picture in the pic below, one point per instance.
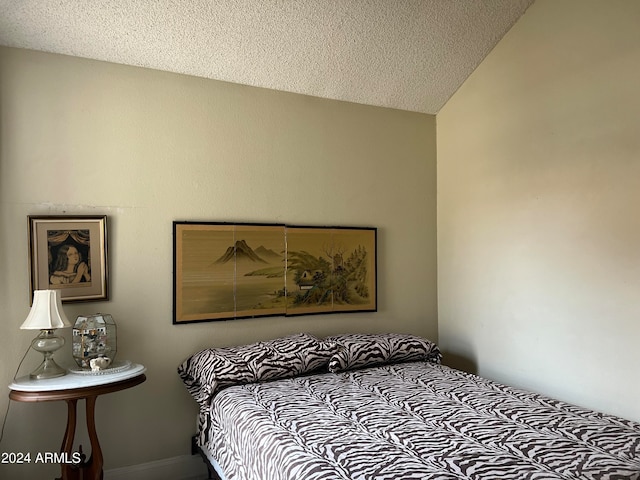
[(69, 253)]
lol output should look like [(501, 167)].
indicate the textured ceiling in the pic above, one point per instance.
[(405, 54)]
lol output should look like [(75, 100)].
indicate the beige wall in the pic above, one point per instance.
[(146, 148), (538, 207)]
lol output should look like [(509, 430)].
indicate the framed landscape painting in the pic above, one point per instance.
[(224, 271)]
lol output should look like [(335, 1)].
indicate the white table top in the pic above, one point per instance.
[(73, 380)]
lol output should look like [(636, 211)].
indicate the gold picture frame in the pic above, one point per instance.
[(69, 253), (226, 271)]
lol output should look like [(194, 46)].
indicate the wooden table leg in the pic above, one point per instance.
[(69, 434), (94, 471), (92, 468)]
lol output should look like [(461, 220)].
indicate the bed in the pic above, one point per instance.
[(383, 407)]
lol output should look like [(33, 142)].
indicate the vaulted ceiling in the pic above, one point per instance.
[(405, 54)]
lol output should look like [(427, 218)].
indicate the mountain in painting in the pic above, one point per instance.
[(268, 254), (240, 251)]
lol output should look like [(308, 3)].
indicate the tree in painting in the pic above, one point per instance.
[(323, 280)]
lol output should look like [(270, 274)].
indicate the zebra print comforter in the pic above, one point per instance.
[(416, 420)]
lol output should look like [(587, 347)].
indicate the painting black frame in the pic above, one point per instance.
[(195, 272)]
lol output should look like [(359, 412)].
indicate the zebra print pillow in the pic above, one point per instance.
[(208, 371), (359, 350)]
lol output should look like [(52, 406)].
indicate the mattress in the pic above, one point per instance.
[(413, 420)]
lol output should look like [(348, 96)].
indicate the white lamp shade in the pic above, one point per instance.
[(46, 312)]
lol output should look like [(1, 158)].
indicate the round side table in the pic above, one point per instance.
[(71, 388)]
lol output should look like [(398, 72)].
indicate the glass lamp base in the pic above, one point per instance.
[(47, 369), (47, 343)]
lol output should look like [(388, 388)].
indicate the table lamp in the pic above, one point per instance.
[(46, 315)]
